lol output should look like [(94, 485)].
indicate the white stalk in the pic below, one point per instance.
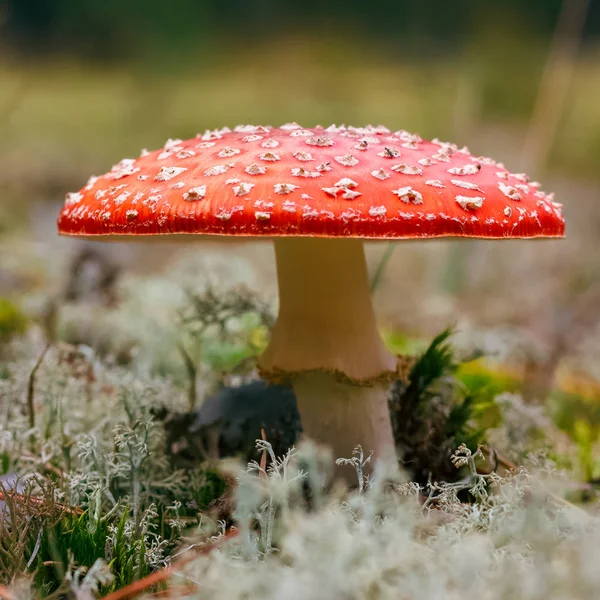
[(326, 339)]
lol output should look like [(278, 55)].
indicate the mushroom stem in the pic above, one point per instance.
[(327, 340), (342, 415)]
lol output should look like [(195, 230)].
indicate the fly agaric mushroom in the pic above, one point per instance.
[(318, 193)]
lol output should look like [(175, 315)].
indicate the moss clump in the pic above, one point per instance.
[(435, 412)]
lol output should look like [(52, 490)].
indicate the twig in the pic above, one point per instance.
[(31, 386), (164, 574)]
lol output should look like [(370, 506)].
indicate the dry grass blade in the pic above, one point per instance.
[(192, 373), (555, 84), (381, 266), (31, 387)]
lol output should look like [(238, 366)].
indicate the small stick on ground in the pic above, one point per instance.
[(31, 387)]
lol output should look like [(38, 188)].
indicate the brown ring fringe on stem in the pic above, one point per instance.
[(404, 366)]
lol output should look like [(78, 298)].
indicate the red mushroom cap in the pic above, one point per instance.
[(337, 182)]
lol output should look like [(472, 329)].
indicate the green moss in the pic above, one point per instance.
[(71, 538), (437, 412)]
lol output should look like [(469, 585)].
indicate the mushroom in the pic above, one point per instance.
[(318, 193)]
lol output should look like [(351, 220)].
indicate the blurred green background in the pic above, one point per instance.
[(82, 80), (84, 83)]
